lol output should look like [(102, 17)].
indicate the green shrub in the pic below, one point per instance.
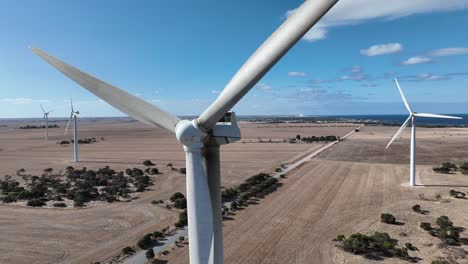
[(60, 205), (148, 163), (176, 196), (444, 222), (128, 250), (410, 246), (426, 226), (388, 218), (417, 208), (145, 242), (35, 203)]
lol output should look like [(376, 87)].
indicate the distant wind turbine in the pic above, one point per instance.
[(74, 115), (45, 122), (412, 117)]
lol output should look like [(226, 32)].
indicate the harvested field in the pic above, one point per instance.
[(31, 235), (344, 191)]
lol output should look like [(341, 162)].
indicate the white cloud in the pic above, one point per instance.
[(382, 49), (215, 91), (297, 74), (352, 12), (22, 100), (417, 60), (264, 86), (156, 100), (448, 52)]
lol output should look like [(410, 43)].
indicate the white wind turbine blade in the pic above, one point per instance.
[(264, 58), (436, 116), (68, 124), (403, 97), (42, 108), (125, 102), (405, 124), (71, 105)]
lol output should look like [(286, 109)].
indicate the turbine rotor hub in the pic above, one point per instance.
[(189, 134)]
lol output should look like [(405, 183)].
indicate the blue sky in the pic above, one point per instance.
[(180, 54)]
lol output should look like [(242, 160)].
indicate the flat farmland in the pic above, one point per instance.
[(42, 235), (344, 190)]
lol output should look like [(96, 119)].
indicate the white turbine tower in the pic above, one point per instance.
[(45, 123), (74, 115), (216, 126), (412, 116)]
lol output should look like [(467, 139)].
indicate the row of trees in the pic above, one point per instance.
[(258, 185), (448, 167), (37, 127)]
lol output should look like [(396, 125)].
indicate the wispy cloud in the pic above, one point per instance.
[(264, 86), (361, 11), (22, 100), (297, 74), (382, 49), (427, 57), (417, 60), (215, 91), (449, 52), (432, 77), (356, 73)]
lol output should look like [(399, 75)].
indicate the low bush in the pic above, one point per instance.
[(410, 246), (60, 205), (457, 194), (128, 250), (388, 218), (378, 243), (36, 203), (148, 163), (426, 226)]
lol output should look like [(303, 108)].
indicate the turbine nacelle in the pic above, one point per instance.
[(225, 132)]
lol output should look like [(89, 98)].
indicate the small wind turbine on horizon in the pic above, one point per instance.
[(74, 115), (216, 126), (412, 116), (45, 123)]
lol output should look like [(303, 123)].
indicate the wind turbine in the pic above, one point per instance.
[(202, 136), (412, 116), (74, 115), (45, 121)]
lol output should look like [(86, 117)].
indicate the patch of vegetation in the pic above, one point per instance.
[(319, 139), (80, 141), (440, 260), (128, 250), (183, 221), (179, 200), (148, 163), (464, 168), (417, 208), (146, 241), (388, 219), (457, 194), (37, 127), (79, 185), (446, 168), (149, 254), (446, 232), (376, 246)]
